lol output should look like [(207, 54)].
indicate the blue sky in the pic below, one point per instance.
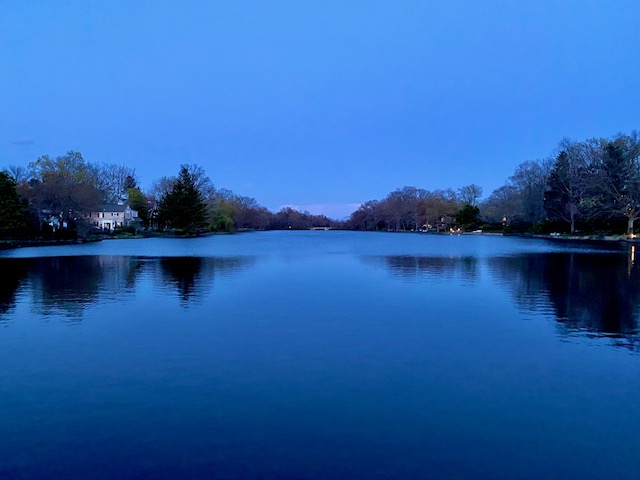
[(320, 105)]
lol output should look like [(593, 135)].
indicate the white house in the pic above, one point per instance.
[(112, 216)]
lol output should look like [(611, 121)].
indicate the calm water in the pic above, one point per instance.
[(320, 355)]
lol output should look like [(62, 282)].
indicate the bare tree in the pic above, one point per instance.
[(503, 205), (470, 194), (18, 173), (160, 187), (619, 179), (114, 180), (570, 183), (530, 180), (201, 181), (439, 207)]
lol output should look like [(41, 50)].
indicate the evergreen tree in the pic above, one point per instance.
[(468, 217), (183, 208), (14, 220)]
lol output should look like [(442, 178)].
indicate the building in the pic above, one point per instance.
[(111, 216)]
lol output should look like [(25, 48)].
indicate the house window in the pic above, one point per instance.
[(101, 215)]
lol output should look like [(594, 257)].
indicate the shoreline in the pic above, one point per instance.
[(13, 244), (581, 238)]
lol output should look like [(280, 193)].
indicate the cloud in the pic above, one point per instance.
[(336, 211), (23, 143)]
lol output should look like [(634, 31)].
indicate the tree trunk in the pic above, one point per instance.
[(573, 223), (630, 223)]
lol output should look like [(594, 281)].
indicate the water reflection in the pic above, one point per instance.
[(183, 273), (588, 293), (595, 294), (69, 285), (413, 267), (12, 274), (193, 277)]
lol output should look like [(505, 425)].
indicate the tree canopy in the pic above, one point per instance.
[(14, 219), (183, 207)]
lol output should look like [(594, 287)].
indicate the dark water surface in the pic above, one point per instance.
[(319, 355)]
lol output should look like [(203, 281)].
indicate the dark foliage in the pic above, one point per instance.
[(14, 216), (183, 208)]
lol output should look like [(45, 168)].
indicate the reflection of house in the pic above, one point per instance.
[(112, 216)]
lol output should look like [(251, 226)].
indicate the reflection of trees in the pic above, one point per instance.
[(64, 284), (408, 267), (593, 293), (193, 277), (119, 273), (184, 273), (14, 271), (67, 285)]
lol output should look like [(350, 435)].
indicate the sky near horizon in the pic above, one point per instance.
[(319, 105)]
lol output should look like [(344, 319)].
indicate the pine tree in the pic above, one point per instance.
[(14, 220), (183, 208)]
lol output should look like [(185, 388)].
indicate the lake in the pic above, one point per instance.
[(320, 355)]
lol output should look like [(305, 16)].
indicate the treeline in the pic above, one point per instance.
[(190, 202), (53, 196), (411, 208), (590, 186)]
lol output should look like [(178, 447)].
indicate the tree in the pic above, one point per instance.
[(366, 217), (18, 173), (530, 180), (113, 180), (248, 214), (14, 219), (183, 208), (138, 202), (619, 179), (63, 186), (521, 199), (470, 194), (201, 181), (400, 208), (570, 183), (161, 187), (290, 218), (468, 217), (222, 216), (440, 206), (503, 205)]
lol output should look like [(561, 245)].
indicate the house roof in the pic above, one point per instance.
[(113, 208)]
